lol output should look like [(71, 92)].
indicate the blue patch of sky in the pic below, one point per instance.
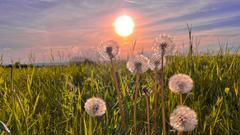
[(209, 11), (227, 23), (12, 11), (13, 46), (212, 10)]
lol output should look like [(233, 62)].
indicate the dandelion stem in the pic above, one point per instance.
[(148, 115), (135, 103), (181, 99), (180, 132), (181, 103), (162, 96), (155, 102), (114, 73)]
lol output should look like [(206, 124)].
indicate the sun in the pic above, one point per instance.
[(124, 25)]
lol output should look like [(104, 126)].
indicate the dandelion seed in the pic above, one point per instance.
[(138, 64), (155, 62), (183, 118), (180, 83), (164, 45), (95, 106), (3, 127), (108, 49)]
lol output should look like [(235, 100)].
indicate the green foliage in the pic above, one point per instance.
[(53, 107)]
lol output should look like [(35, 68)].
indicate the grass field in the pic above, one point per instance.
[(43, 101)]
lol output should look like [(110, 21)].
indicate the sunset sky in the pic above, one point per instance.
[(75, 27)]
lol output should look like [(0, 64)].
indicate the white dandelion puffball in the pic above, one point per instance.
[(95, 106), (155, 62), (138, 64), (183, 118), (108, 49), (180, 83), (164, 44)]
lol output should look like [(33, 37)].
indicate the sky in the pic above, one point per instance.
[(44, 30)]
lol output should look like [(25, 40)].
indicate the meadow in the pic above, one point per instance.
[(50, 100)]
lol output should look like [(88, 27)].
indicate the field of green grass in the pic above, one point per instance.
[(44, 101)]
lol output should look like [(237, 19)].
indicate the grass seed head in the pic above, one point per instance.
[(3, 127)]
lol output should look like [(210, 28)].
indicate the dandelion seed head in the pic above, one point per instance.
[(108, 49), (138, 64), (180, 83), (164, 45), (145, 91), (155, 62), (183, 118), (95, 106)]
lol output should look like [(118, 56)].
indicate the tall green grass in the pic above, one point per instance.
[(52, 106)]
